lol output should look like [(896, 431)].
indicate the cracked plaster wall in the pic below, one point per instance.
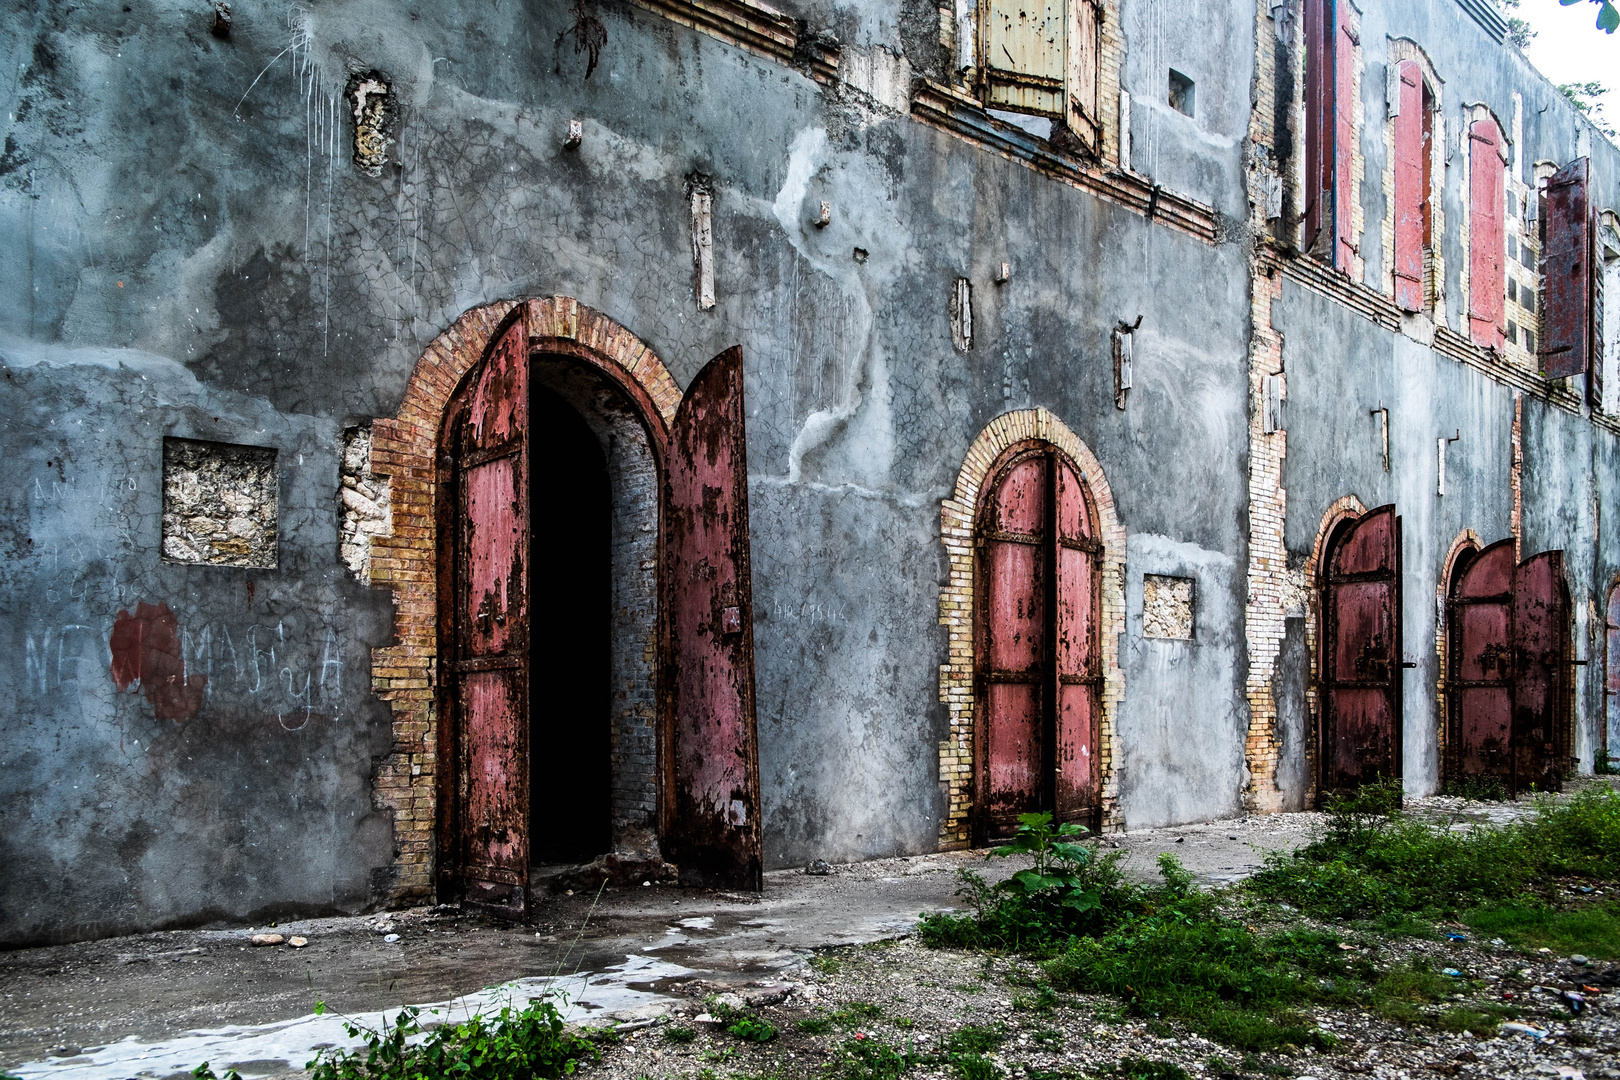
[(198, 257)]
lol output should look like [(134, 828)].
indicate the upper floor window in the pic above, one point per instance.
[(1412, 107), (1330, 100), (1487, 224), (1042, 57)]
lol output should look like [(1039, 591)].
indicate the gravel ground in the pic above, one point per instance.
[(907, 996)]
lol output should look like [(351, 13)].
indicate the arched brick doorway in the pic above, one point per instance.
[(1038, 678), (473, 603)]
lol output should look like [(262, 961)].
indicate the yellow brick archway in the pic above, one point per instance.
[(956, 610), (404, 448)]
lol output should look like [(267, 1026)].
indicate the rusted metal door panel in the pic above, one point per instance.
[(1344, 111), (1319, 35), (1479, 679), (1487, 284), (1078, 662), (1015, 552), (1409, 192), (484, 692), (1567, 326), (1040, 670), (1025, 66), (707, 679), (1611, 672), (1361, 653), (1541, 683)]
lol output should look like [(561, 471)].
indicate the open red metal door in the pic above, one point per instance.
[(484, 644), (1040, 670), (1361, 653), (1541, 682), (711, 797), (1479, 654)]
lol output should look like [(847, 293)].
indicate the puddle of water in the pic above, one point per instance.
[(261, 1049), (698, 922)]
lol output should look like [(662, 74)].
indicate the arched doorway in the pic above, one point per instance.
[(584, 544), (1359, 666), (1038, 672), (1509, 685)]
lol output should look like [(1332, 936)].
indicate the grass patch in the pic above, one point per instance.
[(514, 1044), (1375, 862), (679, 1035), (1593, 930), (751, 1029), (974, 1039), (814, 1025), (1139, 1068), (827, 965), (866, 1058), (974, 1067), (856, 1013)]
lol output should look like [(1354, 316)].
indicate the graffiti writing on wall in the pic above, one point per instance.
[(290, 669)]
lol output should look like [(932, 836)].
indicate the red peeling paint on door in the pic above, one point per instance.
[(1409, 189), (1508, 687), (1361, 653), (146, 649), (484, 592), (707, 678), (1039, 673)]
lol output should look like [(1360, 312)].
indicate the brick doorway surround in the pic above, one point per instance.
[(403, 448), (957, 518)]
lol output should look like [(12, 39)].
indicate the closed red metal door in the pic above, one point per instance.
[(1611, 673), (1039, 672), (1541, 682), (1361, 653), (1078, 660), (1479, 684), (711, 797), (484, 589)]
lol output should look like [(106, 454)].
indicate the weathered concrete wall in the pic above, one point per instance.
[(197, 256)]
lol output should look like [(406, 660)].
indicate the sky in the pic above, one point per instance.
[(1570, 48)]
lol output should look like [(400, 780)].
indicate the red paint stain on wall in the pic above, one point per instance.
[(146, 648)]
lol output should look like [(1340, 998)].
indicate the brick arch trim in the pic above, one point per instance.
[(1467, 540), (956, 609), (404, 448)]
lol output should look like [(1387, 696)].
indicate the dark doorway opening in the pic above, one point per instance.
[(571, 543)]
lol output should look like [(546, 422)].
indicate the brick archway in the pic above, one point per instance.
[(956, 609), (403, 449)]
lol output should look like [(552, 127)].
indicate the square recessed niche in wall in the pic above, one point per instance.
[(219, 504), (1181, 92), (1167, 607)]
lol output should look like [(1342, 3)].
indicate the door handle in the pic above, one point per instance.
[(1408, 663)]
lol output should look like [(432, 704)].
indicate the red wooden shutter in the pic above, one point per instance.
[(1567, 329), (1409, 193), (707, 678), (1487, 243), (1078, 667), (1541, 671), (1479, 656), (1015, 558), (1344, 134), (1319, 34), (1361, 653), (487, 676)]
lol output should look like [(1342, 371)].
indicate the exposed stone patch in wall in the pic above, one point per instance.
[(219, 504), (1167, 607), (371, 101), (364, 510)]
